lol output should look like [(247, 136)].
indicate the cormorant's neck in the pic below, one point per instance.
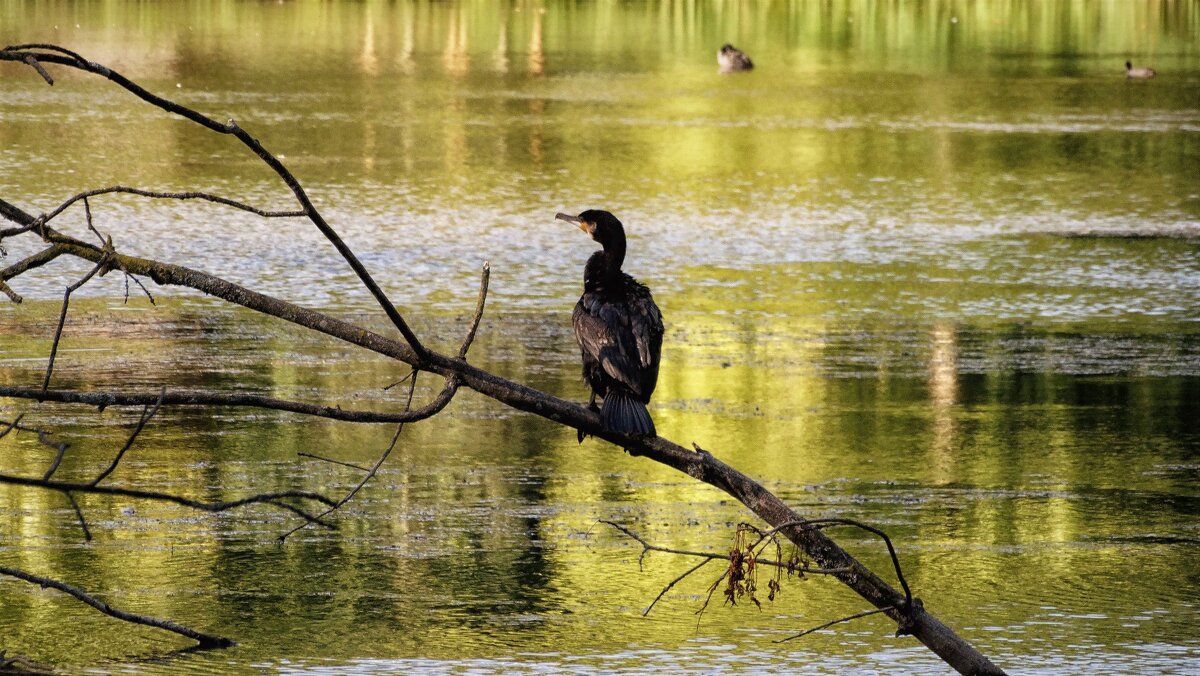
[(614, 252), (601, 272)]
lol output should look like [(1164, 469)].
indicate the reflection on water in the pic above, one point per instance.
[(931, 266)]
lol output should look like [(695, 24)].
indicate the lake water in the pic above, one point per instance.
[(933, 266)]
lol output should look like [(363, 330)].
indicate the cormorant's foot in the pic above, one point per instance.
[(580, 434)]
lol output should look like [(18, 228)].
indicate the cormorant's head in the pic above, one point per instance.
[(1128, 65), (727, 48), (601, 225)]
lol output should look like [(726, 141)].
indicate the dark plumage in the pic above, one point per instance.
[(1138, 73), (730, 59), (619, 329)]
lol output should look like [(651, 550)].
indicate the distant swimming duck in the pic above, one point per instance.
[(1138, 73), (731, 59)]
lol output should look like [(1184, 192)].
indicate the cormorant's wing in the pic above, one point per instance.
[(603, 331), (647, 325)]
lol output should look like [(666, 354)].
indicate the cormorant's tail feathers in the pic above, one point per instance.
[(623, 413)]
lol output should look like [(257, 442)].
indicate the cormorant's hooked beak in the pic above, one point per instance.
[(573, 219)]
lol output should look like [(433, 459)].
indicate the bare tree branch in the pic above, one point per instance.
[(19, 664), (8, 427), (8, 291), (153, 194), (790, 566), (674, 582), (66, 486), (37, 260), (147, 414), (32, 61), (60, 451), (87, 214), (647, 547), (64, 57), (204, 641), (483, 289), (62, 317), (103, 400), (855, 616), (87, 533), (335, 462), (448, 391)]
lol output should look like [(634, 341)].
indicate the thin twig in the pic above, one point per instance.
[(87, 533), (155, 194), (302, 514), (48, 47), (806, 524), (403, 380), (11, 426), (65, 486), (87, 214), (672, 583), (19, 664), (451, 386), (36, 260), (147, 414), (42, 435), (723, 557), (707, 556), (62, 318), (483, 289), (204, 641), (103, 400), (837, 621), (8, 291), (60, 451), (32, 61), (712, 589), (137, 281), (336, 462)]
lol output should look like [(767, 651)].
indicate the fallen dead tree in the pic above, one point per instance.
[(808, 535)]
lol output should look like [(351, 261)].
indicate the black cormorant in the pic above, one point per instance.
[(1138, 73), (730, 59), (619, 329)]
